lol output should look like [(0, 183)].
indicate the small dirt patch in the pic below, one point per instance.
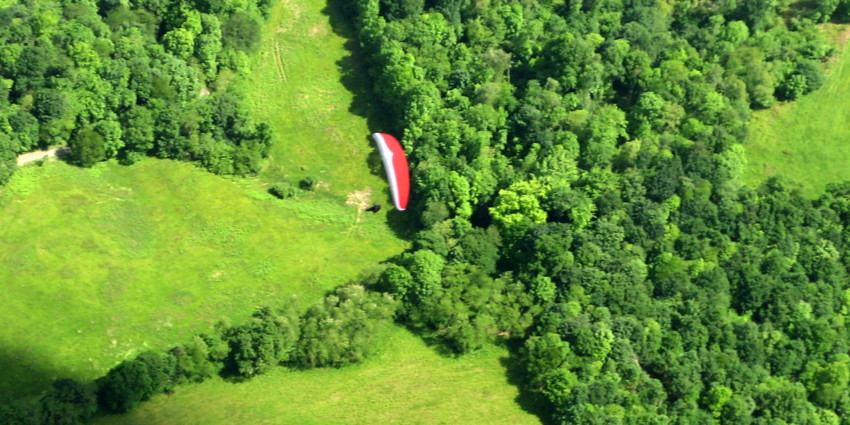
[(318, 30), (35, 156), (359, 199)]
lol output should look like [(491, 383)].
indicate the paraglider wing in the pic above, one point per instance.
[(395, 162)]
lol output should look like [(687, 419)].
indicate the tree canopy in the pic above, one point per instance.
[(602, 222)]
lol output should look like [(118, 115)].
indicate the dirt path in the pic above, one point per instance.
[(35, 156)]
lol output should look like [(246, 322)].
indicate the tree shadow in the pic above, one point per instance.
[(530, 401), (31, 377), (354, 71), (403, 223), (431, 339), (355, 78)]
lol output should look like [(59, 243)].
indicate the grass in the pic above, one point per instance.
[(98, 264), (807, 142), (309, 86), (406, 382)]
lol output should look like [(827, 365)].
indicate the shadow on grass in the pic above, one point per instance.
[(352, 68), (355, 78), (529, 401), (25, 377)]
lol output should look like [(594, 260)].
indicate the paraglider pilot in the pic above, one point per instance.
[(374, 208)]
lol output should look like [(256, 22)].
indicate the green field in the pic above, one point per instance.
[(98, 264), (807, 142), (406, 382), (308, 86)]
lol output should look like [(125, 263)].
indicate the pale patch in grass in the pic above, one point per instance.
[(360, 199), (319, 30)]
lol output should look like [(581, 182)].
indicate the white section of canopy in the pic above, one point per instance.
[(387, 157)]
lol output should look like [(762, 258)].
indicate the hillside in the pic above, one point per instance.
[(101, 263), (805, 142), (577, 171)]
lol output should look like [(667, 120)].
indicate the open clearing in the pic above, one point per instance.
[(310, 89), (97, 264), (406, 382), (807, 141)]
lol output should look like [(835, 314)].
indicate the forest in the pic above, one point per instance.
[(116, 80), (576, 171)]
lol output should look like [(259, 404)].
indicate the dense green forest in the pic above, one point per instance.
[(577, 182), (577, 175), (128, 79)]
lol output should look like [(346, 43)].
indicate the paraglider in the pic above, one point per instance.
[(395, 162)]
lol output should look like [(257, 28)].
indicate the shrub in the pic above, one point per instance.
[(309, 183), (67, 402), (283, 190)]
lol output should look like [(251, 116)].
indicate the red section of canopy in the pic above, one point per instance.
[(398, 172)]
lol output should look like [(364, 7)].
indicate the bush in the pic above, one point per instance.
[(134, 381), (265, 341), (283, 190), (67, 402), (309, 183), (341, 330)]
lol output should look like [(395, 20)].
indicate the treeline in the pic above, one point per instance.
[(335, 332), (123, 80), (577, 170)]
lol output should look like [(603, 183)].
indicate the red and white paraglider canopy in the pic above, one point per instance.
[(395, 163)]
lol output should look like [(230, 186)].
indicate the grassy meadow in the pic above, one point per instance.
[(405, 382), (311, 89), (97, 264), (807, 142)]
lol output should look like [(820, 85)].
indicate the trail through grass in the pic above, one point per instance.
[(298, 85), (807, 142), (406, 382), (98, 264)]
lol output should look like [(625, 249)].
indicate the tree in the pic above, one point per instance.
[(240, 31), (195, 361), (518, 208), (67, 403), (425, 268), (545, 355), (138, 133), (125, 386), (400, 9), (267, 340), (180, 42), (88, 147), (341, 330), (605, 129)]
